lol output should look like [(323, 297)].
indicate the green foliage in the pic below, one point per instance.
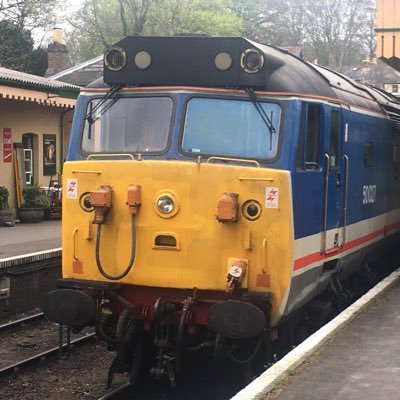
[(213, 18), (38, 61), (4, 198), (333, 32), (17, 51), (30, 14), (35, 197), (102, 23), (16, 45)]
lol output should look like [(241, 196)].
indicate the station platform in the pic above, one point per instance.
[(23, 239), (356, 356), (30, 265)]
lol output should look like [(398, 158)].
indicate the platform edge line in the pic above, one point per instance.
[(269, 379)]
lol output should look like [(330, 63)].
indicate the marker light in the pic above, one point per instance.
[(251, 61), (115, 58), (223, 61), (251, 210), (227, 208), (142, 60), (165, 204)]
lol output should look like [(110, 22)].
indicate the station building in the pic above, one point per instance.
[(36, 115)]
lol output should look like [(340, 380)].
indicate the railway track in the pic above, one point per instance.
[(83, 373), (55, 351), (22, 326), (21, 321), (114, 394)]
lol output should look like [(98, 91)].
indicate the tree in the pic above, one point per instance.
[(18, 19), (39, 61), (256, 16), (29, 14), (100, 23), (16, 46), (334, 30), (208, 17), (17, 50)]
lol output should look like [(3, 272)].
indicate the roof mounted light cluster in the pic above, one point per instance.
[(115, 58), (223, 61), (252, 60), (208, 61)]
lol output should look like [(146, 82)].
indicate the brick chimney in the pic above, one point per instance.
[(57, 54)]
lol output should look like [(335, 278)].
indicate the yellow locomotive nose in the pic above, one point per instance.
[(101, 200), (134, 198), (188, 232)]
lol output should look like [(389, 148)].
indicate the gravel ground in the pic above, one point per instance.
[(82, 373), (79, 374)]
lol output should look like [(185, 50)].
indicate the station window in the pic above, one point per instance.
[(309, 145)]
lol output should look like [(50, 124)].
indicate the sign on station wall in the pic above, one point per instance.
[(7, 145)]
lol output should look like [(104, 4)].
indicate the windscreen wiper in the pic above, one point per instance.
[(264, 116), (110, 94)]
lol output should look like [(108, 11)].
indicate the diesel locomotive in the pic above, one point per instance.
[(218, 192)]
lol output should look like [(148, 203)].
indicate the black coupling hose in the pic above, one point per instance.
[(250, 358), (132, 259)]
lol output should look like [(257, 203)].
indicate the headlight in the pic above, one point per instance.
[(115, 59), (165, 204), (252, 61)]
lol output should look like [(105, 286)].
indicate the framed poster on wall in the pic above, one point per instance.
[(49, 155)]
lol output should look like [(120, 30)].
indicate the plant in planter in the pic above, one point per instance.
[(6, 215), (34, 205)]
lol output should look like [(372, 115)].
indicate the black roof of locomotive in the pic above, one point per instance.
[(189, 61)]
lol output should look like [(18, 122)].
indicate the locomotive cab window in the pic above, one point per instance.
[(334, 139), (231, 128), (368, 154), (308, 154), (134, 125)]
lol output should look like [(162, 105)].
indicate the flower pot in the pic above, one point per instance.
[(6, 218), (31, 214)]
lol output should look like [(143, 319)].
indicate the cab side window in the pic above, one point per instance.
[(308, 156), (334, 139)]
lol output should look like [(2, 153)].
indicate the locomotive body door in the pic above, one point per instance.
[(335, 180)]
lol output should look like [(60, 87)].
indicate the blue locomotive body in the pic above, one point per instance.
[(260, 188)]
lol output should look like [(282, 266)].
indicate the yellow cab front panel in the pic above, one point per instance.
[(187, 248)]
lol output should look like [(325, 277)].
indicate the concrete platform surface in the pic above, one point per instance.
[(24, 239), (356, 356), (362, 362)]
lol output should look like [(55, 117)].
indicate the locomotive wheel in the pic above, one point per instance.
[(130, 345), (123, 326), (137, 357), (105, 329)]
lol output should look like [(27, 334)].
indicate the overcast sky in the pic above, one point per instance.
[(45, 37)]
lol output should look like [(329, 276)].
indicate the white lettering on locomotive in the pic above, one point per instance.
[(369, 194)]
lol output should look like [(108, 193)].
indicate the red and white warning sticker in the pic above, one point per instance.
[(72, 188), (271, 197)]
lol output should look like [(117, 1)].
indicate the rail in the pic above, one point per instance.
[(21, 321), (27, 362)]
